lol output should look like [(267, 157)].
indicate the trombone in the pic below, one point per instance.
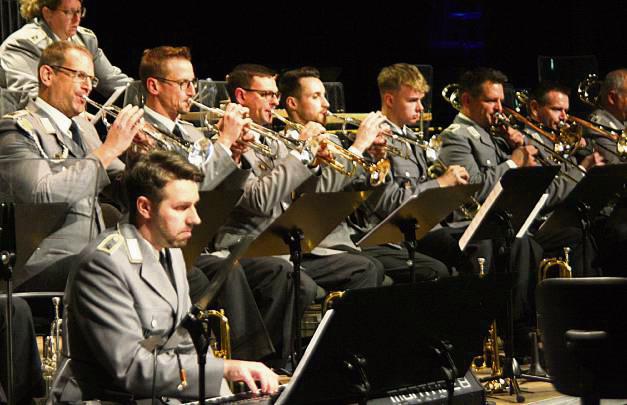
[(451, 94), (377, 172), (162, 140)]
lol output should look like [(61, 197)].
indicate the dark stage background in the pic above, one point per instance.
[(352, 43)]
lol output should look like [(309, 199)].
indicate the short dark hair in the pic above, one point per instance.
[(150, 174), (540, 92), (242, 76), (153, 60), (289, 82), (472, 80)]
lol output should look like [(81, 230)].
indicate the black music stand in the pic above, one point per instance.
[(19, 237), (416, 217), (594, 192), (506, 214), (213, 209), (366, 347), (196, 323), (299, 230)]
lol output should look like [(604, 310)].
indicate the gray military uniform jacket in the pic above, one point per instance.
[(408, 177), (560, 187), (607, 147), (122, 325), (268, 192), (219, 168), (28, 135), (20, 53), (485, 157)]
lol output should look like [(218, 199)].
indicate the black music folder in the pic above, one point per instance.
[(422, 212), (315, 215), (594, 192), (378, 340), (213, 209), (516, 198)]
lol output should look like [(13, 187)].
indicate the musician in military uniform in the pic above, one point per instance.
[(51, 21), (402, 88), (467, 142), (611, 111), (130, 288), (548, 108), (52, 130), (269, 190), (168, 78)]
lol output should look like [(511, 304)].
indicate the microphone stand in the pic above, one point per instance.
[(7, 261), (198, 328)]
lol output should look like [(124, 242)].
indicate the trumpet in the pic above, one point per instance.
[(431, 147), (257, 146), (377, 172), (468, 209), (162, 140), (556, 267)]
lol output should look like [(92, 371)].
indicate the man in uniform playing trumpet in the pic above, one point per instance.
[(51, 129), (168, 78), (269, 190), (304, 99)]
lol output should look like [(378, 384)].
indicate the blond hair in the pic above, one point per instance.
[(391, 78), (31, 9)]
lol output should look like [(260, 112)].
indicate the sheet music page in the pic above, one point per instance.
[(532, 216), (313, 344), (478, 219)]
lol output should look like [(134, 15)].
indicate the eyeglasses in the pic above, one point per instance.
[(183, 84), (74, 13), (77, 75), (267, 94)]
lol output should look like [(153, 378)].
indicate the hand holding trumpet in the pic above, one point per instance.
[(121, 134)]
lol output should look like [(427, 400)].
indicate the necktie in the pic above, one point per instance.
[(178, 132), (76, 135), (164, 259)]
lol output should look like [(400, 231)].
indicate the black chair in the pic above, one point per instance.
[(583, 323)]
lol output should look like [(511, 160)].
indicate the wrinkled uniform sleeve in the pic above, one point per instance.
[(458, 150), (40, 180), (106, 314)]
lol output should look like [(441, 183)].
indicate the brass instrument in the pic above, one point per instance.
[(468, 209), (52, 347), (255, 145), (223, 348), (329, 300), (588, 89), (588, 92), (556, 267), (162, 140), (431, 147), (377, 172), (452, 96)]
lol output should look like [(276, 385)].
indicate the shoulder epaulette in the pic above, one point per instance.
[(85, 31), (133, 251), (111, 243), (38, 36)]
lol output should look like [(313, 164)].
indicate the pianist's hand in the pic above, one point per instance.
[(249, 372)]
